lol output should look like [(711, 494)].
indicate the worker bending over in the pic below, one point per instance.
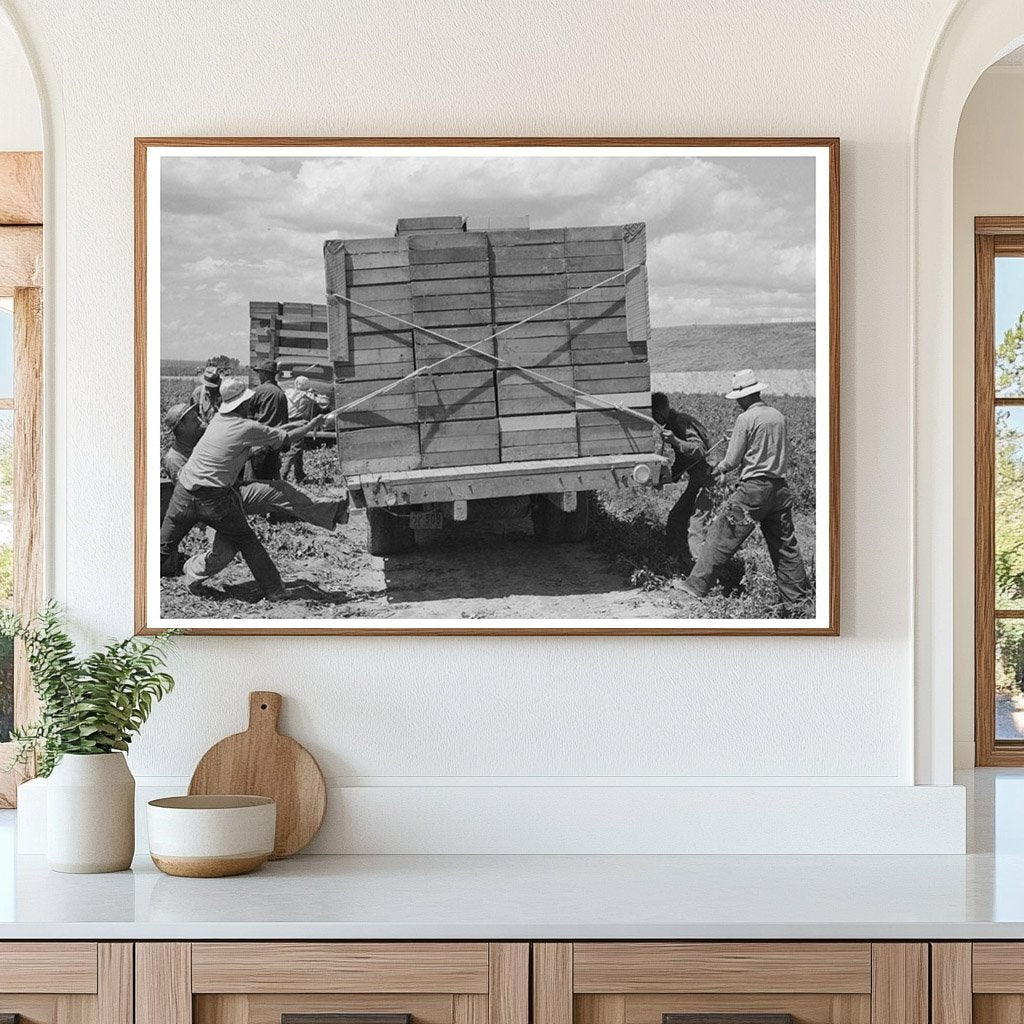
[(688, 439), (759, 449)]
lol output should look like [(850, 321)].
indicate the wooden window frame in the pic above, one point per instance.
[(21, 278)]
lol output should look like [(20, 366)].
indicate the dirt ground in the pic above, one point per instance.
[(470, 571), (491, 570)]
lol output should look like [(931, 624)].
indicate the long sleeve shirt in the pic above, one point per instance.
[(690, 441), (759, 446)]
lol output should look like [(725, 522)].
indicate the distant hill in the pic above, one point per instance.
[(691, 347)]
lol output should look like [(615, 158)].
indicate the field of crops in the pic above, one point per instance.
[(627, 540)]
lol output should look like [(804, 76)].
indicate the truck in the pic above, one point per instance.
[(480, 372)]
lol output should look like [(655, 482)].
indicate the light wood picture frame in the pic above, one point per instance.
[(229, 266)]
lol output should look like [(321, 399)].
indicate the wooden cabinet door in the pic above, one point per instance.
[(978, 983), (730, 983), (66, 982), (332, 983)]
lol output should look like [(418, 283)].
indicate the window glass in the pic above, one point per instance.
[(1009, 508), (1009, 327), (1009, 679)]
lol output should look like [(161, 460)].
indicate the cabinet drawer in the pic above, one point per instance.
[(752, 967), (332, 983), (340, 967), (66, 982), (65, 967), (730, 983)]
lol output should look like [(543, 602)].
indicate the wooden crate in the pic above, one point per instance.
[(287, 329), (466, 443), (455, 396), (393, 408), (613, 378), (381, 356), (611, 432), (428, 349), (544, 436), (410, 225), (379, 449), (520, 394)]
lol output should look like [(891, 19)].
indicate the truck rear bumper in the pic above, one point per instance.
[(506, 479)]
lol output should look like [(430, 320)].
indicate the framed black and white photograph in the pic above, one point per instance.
[(487, 386)]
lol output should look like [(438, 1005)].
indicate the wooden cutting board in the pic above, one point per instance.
[(262, 762)]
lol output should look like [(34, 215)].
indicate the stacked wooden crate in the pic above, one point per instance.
[(536, 416), (450, 275), (287, 329), (447, 283), (609, 329), (369, 348)]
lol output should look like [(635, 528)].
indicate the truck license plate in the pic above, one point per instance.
[(426, 520)]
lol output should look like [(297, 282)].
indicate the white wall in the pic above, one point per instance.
[(21, 127), (987, 181), (437, 715)]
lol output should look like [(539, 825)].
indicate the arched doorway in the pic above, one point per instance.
[(976, 34)]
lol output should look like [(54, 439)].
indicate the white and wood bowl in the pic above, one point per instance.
[(211, 836)]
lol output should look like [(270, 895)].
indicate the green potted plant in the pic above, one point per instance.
[(90, 708)]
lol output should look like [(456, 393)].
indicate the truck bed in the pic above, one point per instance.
[(501, 479)]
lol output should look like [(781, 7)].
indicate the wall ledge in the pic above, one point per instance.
[(680, 819)]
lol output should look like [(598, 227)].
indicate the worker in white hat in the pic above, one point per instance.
[(759, 450), (303, 404), (206, 491)]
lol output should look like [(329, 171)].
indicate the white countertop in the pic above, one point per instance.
[(516, 897), (978, 896)]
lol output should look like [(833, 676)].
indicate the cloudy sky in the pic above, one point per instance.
[(730, 240)]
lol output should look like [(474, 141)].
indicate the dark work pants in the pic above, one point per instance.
[(292, 463), (266, 464), (696, 498), (763, 502), (221, 508)]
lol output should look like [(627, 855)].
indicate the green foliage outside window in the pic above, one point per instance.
[(1009, 508)]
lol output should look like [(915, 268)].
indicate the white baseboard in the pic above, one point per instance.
[(570, 819)]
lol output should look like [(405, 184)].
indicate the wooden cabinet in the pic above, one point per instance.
[(978, 983), (308, 982), (758, 982), (66, 982), (494, 983)]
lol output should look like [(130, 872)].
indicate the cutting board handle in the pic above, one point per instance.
[(264, 710)]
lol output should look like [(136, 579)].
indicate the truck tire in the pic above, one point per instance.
[(553, 526), (388, 533)]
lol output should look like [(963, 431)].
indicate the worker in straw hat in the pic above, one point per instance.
[(186, 427), (759, 450), (206, 492)]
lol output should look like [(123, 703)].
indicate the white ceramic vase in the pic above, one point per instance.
[(90, 814)]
